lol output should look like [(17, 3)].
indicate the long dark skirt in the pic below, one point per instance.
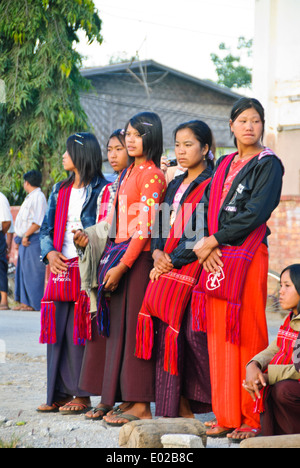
[(64, 359), (282, 415), (193, 380), (92, 372), (127, 378), (30, 274)]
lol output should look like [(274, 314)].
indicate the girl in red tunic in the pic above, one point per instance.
[(273, 376)]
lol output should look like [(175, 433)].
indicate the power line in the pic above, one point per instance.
[(178, 28)]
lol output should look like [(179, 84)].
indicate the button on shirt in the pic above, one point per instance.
[(32, 210)]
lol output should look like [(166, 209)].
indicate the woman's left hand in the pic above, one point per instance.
[(113, 277)]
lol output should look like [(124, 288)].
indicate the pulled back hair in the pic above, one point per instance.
[(248, 103), (85, 152), (295, 278), (119, 134), (149, 126), (202, 133)]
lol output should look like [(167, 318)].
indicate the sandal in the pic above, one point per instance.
[(212, 422), (104, 410), (68, 408), (128, 417), (244, 430), (54, 408), (222, 433)]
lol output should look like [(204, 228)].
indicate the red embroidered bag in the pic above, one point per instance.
[(168, 297), (228, 283), (64, 286)]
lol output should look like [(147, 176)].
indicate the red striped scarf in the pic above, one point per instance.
[(168, 297), (286, 340), (103, 211), (64, 286), (228, 283)]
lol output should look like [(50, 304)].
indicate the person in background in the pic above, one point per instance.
[(170, 168), (244, 191), (5, 223), (30, 272), (272, 376), (72, 205)]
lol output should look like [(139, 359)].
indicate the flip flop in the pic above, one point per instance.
[(243, 430), (96, 410), (83, 408), (220, 434), (128, 417), (51, 409)]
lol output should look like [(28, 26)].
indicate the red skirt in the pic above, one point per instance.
[(232, 405)]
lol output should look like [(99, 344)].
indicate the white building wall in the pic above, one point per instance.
[(276, 81)]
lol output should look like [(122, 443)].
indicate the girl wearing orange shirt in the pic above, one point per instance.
[(127, 378)]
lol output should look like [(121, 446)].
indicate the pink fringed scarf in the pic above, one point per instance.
[(168, 297), (228, 283), (65, 286)]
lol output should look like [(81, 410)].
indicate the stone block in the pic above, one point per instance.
[(147, 433), (284, 441), (180, 441)]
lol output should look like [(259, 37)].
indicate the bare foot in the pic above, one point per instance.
[(185, 409)]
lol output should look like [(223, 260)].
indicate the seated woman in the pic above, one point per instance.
[(272, 377)]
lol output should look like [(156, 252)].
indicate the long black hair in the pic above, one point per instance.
[(295, 278), (203, 134), (149, 126), (247, 103), (85, 152)]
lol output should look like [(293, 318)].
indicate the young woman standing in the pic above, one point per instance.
[(72, 205), (91, 247), (127, 378), (229, 300), (186, 389)]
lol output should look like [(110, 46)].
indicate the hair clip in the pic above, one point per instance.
[(210, 155), (122, 132), (79, 136), (79, 142), (146, 123)]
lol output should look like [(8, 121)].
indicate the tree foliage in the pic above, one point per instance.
[(40, 69), (229, 69)]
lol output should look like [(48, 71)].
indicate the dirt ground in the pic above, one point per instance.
[(23, 383)]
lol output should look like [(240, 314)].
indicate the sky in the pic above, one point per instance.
[(180, 34)]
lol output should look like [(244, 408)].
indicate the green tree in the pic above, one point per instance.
[(229, 69), (40, 69)]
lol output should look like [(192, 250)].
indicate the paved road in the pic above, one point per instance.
[(19, 332)]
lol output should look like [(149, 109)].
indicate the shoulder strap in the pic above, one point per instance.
[(61, 215), (184, 215)]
